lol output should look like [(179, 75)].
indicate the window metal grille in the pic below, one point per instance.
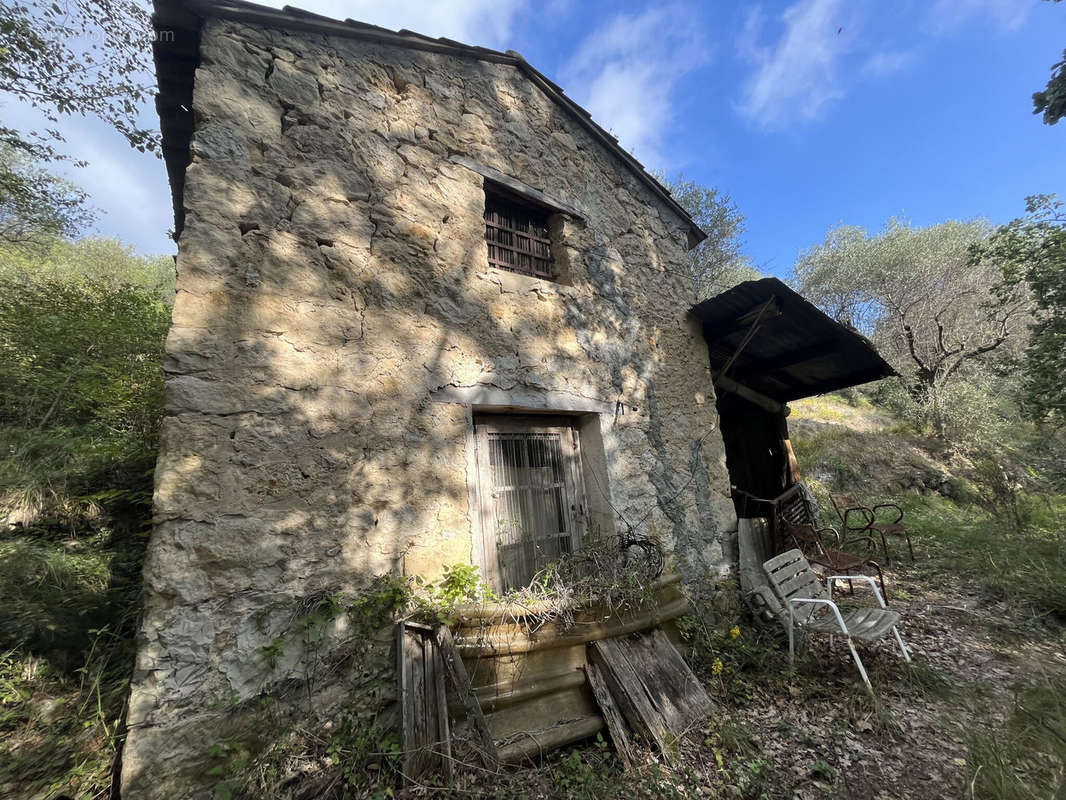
[(518, 238), (531, 499)]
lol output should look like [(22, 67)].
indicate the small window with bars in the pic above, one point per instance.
[(532, 504), (518, 237)]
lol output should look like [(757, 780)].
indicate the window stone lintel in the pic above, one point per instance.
[(485, 397), (517, 187)]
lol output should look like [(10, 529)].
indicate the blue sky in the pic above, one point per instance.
[(809, 113)]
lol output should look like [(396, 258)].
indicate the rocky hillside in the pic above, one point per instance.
[(844, 443)]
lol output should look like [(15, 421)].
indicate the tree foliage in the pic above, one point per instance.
[(1051, 102), (80, 367), (79, 57), (718, 262), (933, 311), (1031, 250), (86, 57), (36, 205), (80, 353), (94, 258)]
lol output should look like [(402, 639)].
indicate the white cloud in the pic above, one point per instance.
[(797, 75), (625, 73), (487, 23), (880, 65), (1008, 14), (130, 188)]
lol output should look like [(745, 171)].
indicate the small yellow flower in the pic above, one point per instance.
[(734, 632), (717, 667)]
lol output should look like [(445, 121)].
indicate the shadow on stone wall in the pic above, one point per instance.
[(332, 274)]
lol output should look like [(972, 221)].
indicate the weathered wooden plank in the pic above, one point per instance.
[(457, 672), (407, 724), (421, 737), (616, 725), (535, 743), (632, 697), (502, 695), (671, 684), (509, 639), (443, 729), (542, 712), (412, 699), (423, 699), (658, 694)]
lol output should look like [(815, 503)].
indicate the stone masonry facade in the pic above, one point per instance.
[(335, 323)]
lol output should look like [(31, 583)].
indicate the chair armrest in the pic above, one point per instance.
[(873, 584), (899, 512), (836, 534), (818, 602), (869, 540), (867, 514)]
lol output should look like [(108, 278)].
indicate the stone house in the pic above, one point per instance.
[(428, 313)]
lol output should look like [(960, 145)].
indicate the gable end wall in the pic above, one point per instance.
[(333, 290)]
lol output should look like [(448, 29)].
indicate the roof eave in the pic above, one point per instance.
[(297, 19)]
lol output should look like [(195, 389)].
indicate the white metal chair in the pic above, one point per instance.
[(796, 584)]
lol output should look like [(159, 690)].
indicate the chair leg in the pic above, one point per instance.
[(791, 640), (862, 669), (884, 546), (881, 580), (791, 648), (910, 546), (902, 647), (851, 588)]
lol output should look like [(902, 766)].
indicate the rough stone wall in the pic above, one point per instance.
[(332, 275)]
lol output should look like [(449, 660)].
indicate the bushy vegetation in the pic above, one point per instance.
[(972, 318), (81, 340), (998, 523)]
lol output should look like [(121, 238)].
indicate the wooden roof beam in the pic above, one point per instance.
[(844, 383), (752, 396), (791, 358), (718, 332)]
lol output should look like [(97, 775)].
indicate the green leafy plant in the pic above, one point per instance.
[(460, 583)]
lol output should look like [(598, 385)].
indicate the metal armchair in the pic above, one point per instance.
[(812, 610), (795, 525), (857, 518)]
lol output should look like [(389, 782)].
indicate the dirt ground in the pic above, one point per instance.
[(912, 743), (815, 733)]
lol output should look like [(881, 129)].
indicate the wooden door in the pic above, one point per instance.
[(532, 505)]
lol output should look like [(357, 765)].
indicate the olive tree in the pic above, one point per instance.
[(718, 262), (932, 309)]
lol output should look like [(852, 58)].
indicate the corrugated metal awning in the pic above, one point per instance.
[(794, 351)]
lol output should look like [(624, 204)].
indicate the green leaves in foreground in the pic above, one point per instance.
[(1032, 250)]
